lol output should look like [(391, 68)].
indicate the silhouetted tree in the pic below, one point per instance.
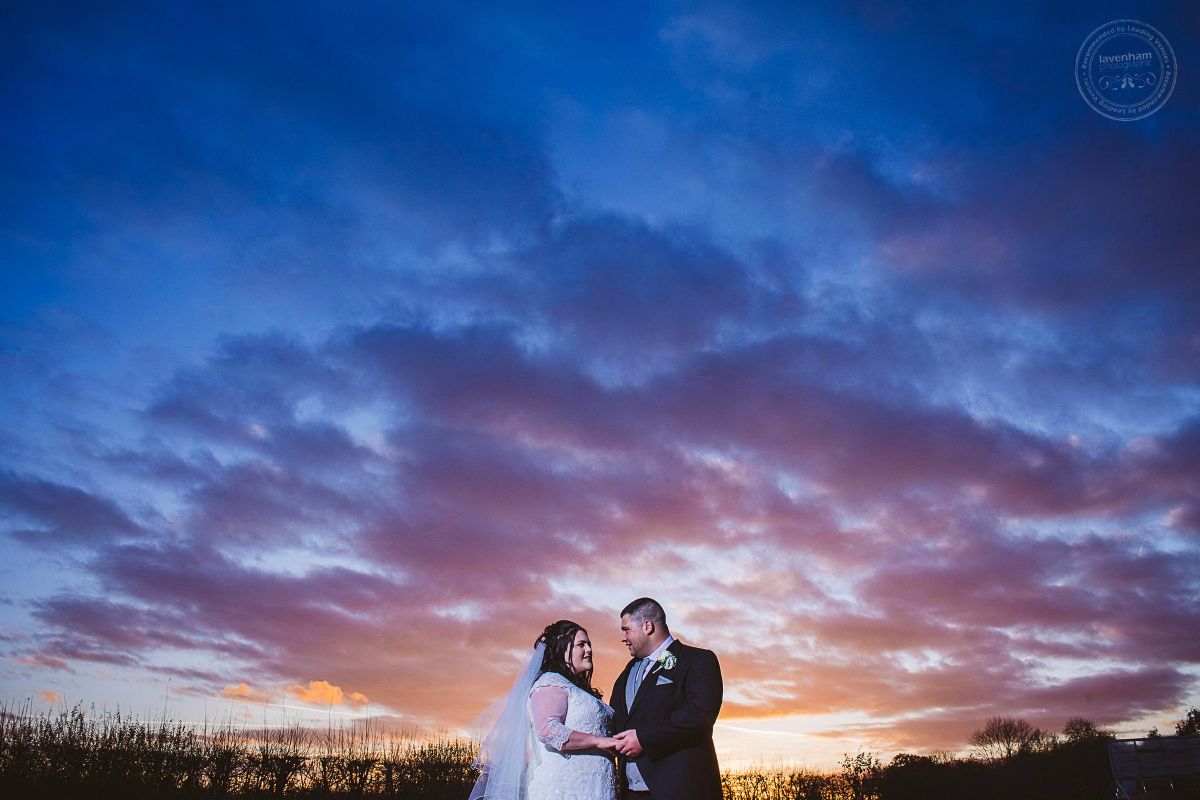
[(909, 761), (1189, 725), (1005, 737), (912, 777), (862, 773), (1153, 733), (1079, 730)]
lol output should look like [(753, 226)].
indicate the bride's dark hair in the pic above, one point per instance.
[(560, 638)]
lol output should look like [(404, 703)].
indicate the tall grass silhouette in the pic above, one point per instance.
[(79, 753)]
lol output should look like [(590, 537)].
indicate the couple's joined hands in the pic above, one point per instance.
[(624, 743)]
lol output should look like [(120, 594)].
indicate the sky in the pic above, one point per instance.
[(344, 346)]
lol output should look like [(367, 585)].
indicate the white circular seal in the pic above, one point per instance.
[(1125, 70)]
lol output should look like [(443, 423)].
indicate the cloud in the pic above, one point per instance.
[(1093, 252), (63, 515), (614, 286), (325, 693), (44, 661), (244, 693)]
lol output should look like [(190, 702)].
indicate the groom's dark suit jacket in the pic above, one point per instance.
[(674, 723)]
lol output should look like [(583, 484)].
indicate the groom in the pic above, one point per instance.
[(665, 704)]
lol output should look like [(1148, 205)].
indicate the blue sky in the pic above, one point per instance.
[(336, 337)]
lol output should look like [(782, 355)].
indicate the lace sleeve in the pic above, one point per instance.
[(549, 707)]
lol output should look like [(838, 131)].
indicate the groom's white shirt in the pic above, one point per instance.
[(636, 783)]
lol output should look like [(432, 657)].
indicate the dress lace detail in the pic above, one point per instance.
[(548, 705), (554, 775), (553, 679)]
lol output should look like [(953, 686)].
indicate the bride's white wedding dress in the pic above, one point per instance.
[(556, 707)]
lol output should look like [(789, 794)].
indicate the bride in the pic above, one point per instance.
[(552, 737)]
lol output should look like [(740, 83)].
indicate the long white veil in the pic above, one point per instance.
[(504, 750)]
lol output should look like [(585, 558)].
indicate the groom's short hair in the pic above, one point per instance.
[(646, 608)]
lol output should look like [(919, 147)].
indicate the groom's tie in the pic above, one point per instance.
[(637, 673)]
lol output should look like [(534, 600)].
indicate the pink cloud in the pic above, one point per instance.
[(48, 662)]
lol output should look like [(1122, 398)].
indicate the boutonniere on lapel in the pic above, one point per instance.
[(665, 661)]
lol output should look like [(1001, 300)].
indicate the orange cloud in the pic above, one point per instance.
[(325, 693), (244, 692), (50, 696)]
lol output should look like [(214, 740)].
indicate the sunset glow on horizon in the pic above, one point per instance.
[(346, 347)]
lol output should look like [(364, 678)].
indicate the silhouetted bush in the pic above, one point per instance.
[(1064, 770)]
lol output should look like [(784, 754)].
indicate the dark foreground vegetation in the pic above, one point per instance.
[(77, 754)]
